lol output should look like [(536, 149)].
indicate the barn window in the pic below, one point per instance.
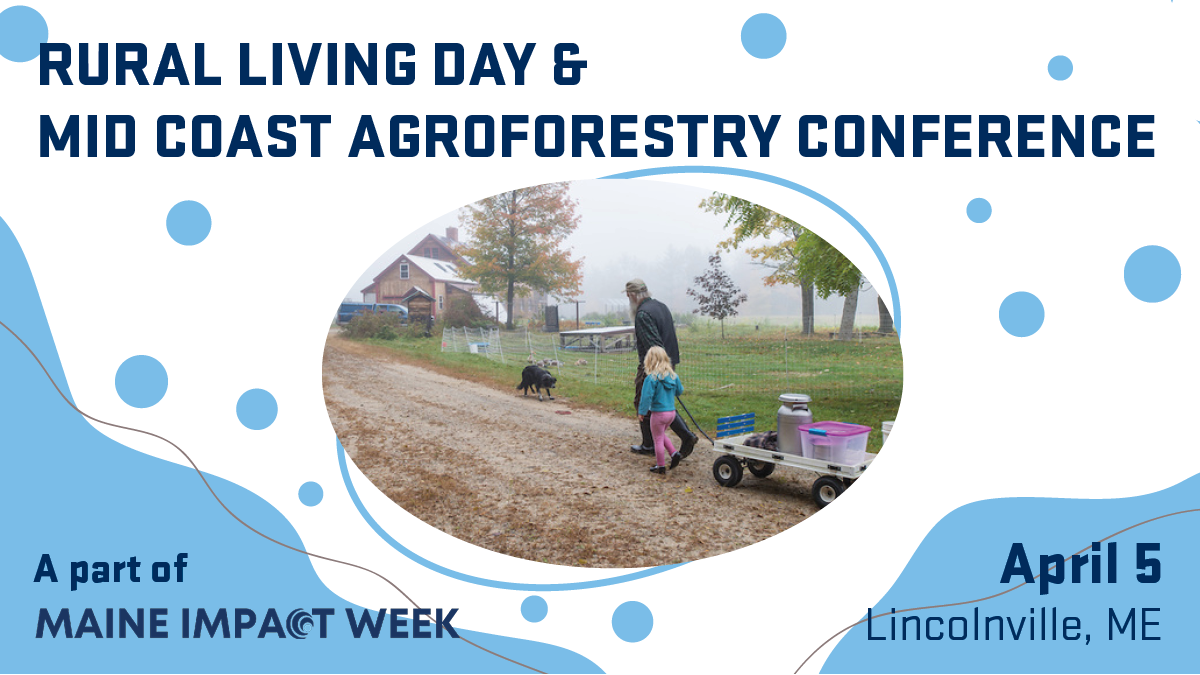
[(434, 253), (403, 270), (441, 302)]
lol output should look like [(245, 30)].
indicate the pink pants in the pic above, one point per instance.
[(659, 422)]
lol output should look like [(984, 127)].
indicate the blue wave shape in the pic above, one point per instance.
[(963, 558), (69, 491)]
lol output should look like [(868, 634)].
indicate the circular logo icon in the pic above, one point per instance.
[(299, 622)]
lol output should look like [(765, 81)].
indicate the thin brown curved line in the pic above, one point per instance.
[(231, 513), (971, 602)]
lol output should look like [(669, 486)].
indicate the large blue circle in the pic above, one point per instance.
[(189, 223), (257, 409), (979, 210), (632, 621), (1022, 314), (1152, 274), (141, 381), (22, 32), (534, 608), (1060, 68), (763, 36), (311, 493)]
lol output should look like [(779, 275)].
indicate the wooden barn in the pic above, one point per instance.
[(424, 279)]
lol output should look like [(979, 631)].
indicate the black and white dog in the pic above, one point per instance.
[(537, 379)]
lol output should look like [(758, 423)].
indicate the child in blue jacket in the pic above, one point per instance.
[(659, 390)]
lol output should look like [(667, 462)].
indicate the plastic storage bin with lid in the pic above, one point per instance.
[(837, 442)]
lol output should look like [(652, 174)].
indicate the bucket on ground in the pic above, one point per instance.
[(887, 429)]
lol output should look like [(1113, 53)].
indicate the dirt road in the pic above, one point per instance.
[(515, 476)]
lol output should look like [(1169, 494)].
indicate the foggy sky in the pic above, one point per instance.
[(651, 230)]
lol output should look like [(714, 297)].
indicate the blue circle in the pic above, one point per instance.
[(311, 494), (979, 210), (632, 621), (22, 32), (1060, 68), (763, 36), (534, 608), (1152, 274), (188, 223), (257, 409), (1022, 314), (141, 381)]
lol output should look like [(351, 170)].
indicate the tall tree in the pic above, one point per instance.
[(801, 258), (718, 296), (516, 240), (885, 317)]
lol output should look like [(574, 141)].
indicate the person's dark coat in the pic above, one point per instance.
[(655, 327)]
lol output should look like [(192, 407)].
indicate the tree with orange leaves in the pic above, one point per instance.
[(516, 240)]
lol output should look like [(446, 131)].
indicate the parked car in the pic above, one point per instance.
[(347, 310)]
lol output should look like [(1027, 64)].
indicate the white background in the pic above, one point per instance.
[(984, 414)]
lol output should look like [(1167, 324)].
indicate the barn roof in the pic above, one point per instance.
[(447, 242), (441, 270), (413, 292)]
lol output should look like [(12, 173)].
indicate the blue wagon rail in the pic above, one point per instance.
[(735, 425)]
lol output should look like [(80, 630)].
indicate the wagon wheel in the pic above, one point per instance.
[(760, 469), (727, 470), (826, 489)]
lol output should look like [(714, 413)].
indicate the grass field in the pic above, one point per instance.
[(857, 381)]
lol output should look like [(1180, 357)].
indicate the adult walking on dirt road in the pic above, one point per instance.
[(654, 327)]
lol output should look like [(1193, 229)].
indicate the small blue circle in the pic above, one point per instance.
[(1060, 68), (763, 36), (22, 32), (632, 621), (141, 381), (311, 494), (257, 409), (1152, 274), (979, 210), (534, 608), (1022, 314), (188, 223)]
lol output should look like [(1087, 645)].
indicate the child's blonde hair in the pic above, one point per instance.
[(658, 364)]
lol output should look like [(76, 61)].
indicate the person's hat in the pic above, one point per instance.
[(635, 286)]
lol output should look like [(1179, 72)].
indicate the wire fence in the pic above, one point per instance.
[(743, 371)]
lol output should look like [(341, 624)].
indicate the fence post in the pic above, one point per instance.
[(787, 371), (596, 367), (554, 343)]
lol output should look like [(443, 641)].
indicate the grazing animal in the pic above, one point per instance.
[(537, 379), (581, 362)]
